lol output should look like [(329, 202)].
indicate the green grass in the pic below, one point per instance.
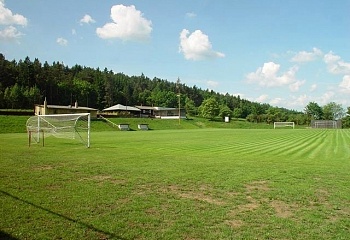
[(17, 124), (191, 123), (178, 184), (13, 124)]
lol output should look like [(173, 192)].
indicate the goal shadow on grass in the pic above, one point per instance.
[(4, 235)]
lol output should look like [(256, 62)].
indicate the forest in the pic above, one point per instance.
[(24, 83)]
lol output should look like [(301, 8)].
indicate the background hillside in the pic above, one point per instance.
[(26, 82)]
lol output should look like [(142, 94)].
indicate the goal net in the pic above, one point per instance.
[(72, 126), (283, 124), (326, 124)]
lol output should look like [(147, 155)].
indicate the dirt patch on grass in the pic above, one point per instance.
[(255, 201), (105, 178), (282, 209), (257, 186), (338, 210), (202, 193), (234, 223), (322, 195), (235, 215), (321, 198), (201, 197), (248, 207)]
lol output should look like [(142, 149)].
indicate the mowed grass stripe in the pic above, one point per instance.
[(223, 142), (237, 141), (267, 142), (291, 143), (342, 142), (295, 145), (298, 148)]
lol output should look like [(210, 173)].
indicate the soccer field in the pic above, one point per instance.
[(178, 184)]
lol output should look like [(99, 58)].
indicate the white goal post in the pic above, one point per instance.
[(283, 124), (326, 124), (72, 126)]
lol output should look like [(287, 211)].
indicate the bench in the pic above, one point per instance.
[(143, 126), (124, 127)]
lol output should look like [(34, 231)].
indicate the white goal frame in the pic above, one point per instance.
[(325, 124), (283, 124), (72, 126)]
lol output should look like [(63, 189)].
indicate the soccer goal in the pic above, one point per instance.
[(72, 126), (326, 124), (283, 124)]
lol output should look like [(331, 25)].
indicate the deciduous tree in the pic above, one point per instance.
[(333, 111), (314, 111), (210, 108)]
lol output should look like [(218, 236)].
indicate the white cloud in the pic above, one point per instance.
[(62, 41), (313, 87), (128, 24), (197, 46), (298, 102), (335, 64), (191, 15), (268, 76), (345, 84), (8, 18), (276, 101), (87, 19), (292, 102), (294, 87), (212, 84), (10, 33), (327, 97), (304, 56), (262, 98)]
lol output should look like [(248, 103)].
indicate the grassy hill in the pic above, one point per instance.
[(192, 123), (16, 124)]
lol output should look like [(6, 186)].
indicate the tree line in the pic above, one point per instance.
[(25, 82)]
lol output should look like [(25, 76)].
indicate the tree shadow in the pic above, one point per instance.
[(216, 120), (4, 235)]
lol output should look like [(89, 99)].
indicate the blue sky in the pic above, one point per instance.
[(285, 53)]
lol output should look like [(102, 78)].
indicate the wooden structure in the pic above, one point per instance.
[(46, 109), (162, 112)]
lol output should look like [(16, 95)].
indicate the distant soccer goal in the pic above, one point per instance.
[(326, 124), (283, 124), (72, 126)]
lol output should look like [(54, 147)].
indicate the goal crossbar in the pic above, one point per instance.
[(283, 124)]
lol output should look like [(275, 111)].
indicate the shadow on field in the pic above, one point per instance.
[(4, 235)]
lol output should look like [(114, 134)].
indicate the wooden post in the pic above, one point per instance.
[(30, 137), (179, 95)]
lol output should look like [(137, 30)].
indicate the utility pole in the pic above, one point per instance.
[(179, 96)]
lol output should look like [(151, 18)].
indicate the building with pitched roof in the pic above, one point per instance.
[(45, 109)]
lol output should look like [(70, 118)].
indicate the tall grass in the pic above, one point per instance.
[(178, 184)]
